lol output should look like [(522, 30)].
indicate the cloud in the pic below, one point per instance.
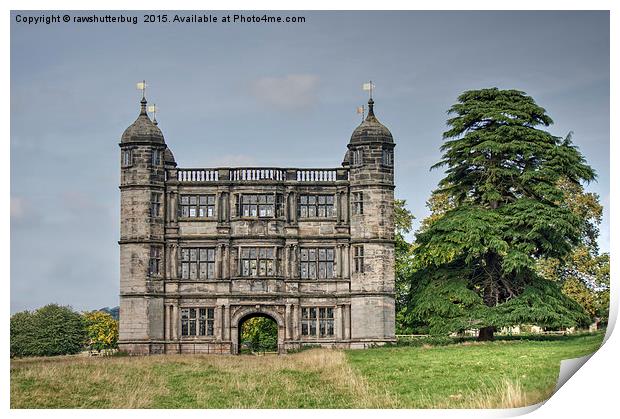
[(78, 201), (294, 91), (18, 207)]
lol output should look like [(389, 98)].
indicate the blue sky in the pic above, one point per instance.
[(264, 94)]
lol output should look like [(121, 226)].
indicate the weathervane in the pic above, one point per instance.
[(142, 86), (368, 87), (153, 109), (361, 110)]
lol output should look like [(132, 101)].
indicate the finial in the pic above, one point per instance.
[(369, 87), (371, 104), (143, 106)]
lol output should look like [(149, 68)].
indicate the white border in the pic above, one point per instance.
[(590, 393)]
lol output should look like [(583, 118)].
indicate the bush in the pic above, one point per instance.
[(50, 330), (22, 334), (102, 330), (260, 334)]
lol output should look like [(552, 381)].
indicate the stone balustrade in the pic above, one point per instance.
[(258, 174), (197, 175)]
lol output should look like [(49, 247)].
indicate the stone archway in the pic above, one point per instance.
[(247, 313)]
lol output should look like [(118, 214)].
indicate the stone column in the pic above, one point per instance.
[(338, 323), (223, 209), (277, 269), (348, 322), (168, 205), (173, 210), (174, 259), (339, 261), (235, 266), (220, 319), (218, 261), (293, 208), (285, 261), (175, 322), (171, 322), (166, 322), (226, 322), (288, 323), (295, 265), (168, 261), (347, 261), (296, 319), (338, 208), (226, 273), (345, 207)]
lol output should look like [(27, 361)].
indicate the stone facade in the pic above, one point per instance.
[(202, 250)]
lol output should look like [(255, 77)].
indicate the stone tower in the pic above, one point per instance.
[(371, 167), (142, 188)]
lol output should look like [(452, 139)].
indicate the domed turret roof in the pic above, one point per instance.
[(143, 129), (371, 130), (347, 158), (169, 157)]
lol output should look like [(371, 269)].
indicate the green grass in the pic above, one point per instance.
[(457, 375), (504, 373)]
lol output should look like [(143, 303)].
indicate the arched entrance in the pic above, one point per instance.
[(258, 333), (271, 322)]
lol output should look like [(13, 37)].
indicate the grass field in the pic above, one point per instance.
[(469, 375)]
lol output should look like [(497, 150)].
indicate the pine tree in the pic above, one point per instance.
[(403, 219), (477, 262)]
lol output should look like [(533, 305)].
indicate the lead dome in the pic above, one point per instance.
[(143, 130), (371, 130)]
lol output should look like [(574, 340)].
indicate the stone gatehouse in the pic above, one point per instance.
[(202, 250)]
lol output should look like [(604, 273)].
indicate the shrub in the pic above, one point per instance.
[(22, 334), (50, 330), (101, 329)]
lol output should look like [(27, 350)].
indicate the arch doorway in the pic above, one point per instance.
[(258, 333)]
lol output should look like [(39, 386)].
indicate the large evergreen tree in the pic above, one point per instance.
[(403, 268), (476, 264)]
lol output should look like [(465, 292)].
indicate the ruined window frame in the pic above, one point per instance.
[(197, 206), (316, 263), (127, 157), (318, 321), (197, 263), (357, 157), (358, 203), (154, 261), (307, 209), (358, 258), (387, 157), (258, 261), (155, 206), (260, 205), (280, 207), (197, 321), (156, 157)]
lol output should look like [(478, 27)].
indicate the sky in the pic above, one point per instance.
[(257, 94)]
